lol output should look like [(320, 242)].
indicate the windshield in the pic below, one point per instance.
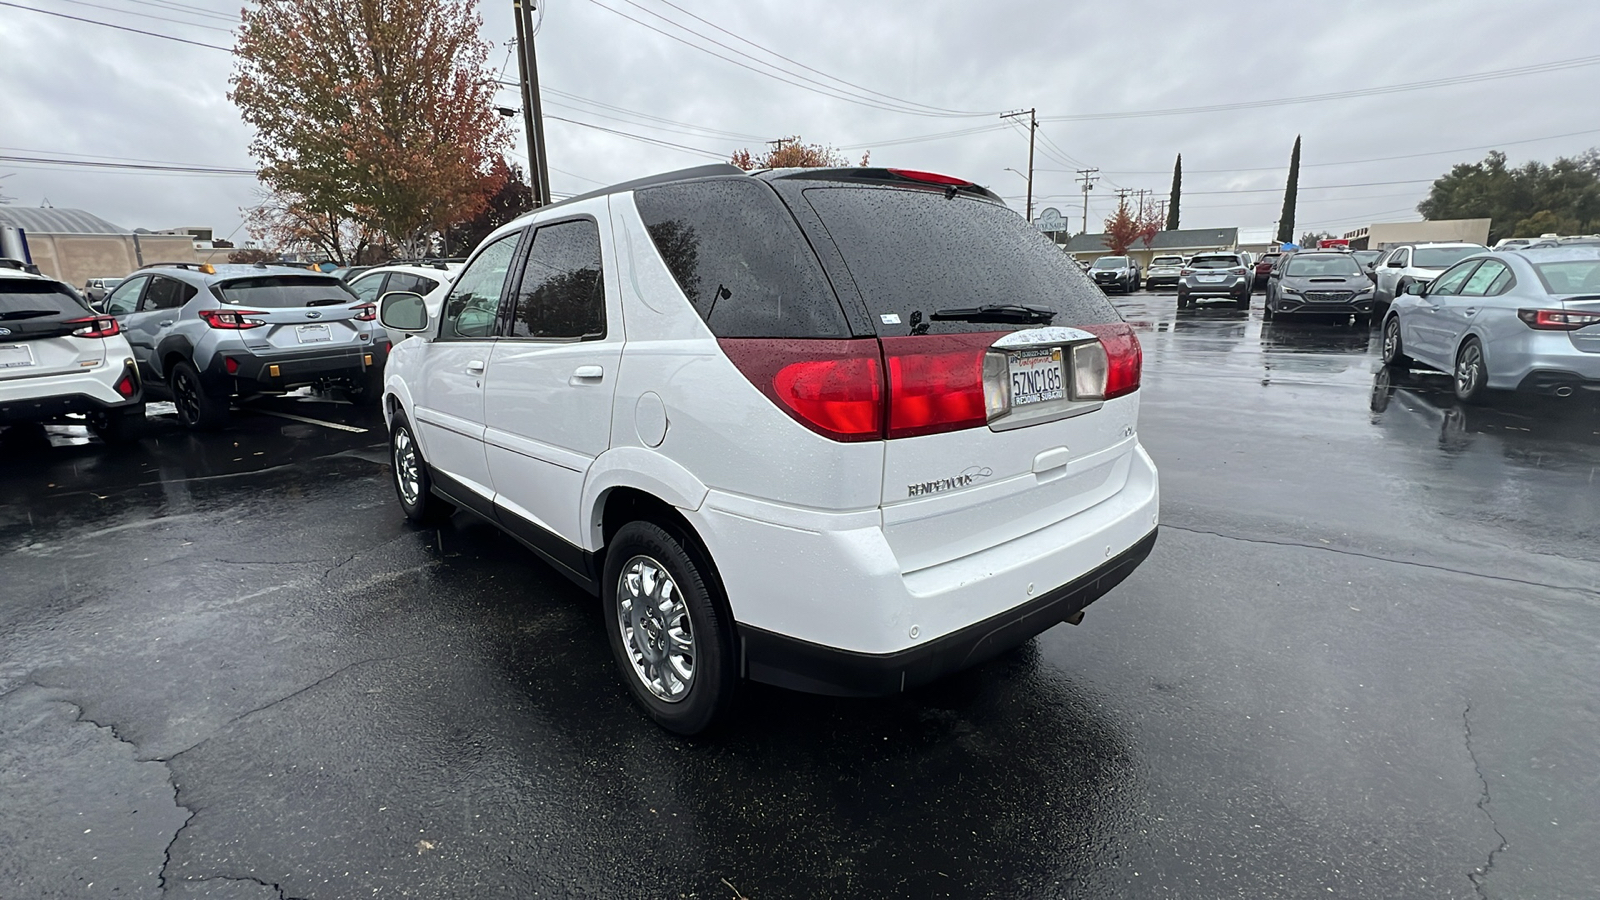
[(1111, 262), (1321, 266), (913, 253), (1441, 257), (1364, 257), (1214, 262), (1573, 276), (285, 291), (1167, 261), (30, 298)]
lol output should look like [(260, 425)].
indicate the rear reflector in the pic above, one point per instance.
[(1124, 358), (834, 388), (935, 382), (128, 384), (95, 327)]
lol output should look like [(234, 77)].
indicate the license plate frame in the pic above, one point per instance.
[(16, 356), (1211, 279), (314, 333), (1031, 370)]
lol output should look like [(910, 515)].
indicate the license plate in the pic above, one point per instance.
[(15, 356), (314, 334), (1036, 376), (1211, 279)]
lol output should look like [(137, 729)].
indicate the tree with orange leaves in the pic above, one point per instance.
[(377, 112), (1122, 228), (792, 153)]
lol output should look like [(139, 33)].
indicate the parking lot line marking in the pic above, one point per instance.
[(284, 415)]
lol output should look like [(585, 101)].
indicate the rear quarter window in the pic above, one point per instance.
[(914, 252), (739, 257)]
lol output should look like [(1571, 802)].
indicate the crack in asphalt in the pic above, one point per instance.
[(244, 879), (1480, 876), (1344, 551)]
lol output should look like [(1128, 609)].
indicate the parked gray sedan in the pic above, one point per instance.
[(1520, 320)]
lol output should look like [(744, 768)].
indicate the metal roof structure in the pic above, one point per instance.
[(1181, 239), (57, 221)]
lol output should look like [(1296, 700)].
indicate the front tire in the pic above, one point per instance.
[(1471, 373), (412, 483), (118, 427), (197, 410), (672, 642)]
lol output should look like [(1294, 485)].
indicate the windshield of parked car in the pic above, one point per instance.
[(1441, 257), (1321, 266), (35, 298), (284, 291), (1365, 257), (1167, 261), (1573, 276), (1111, 262), (1214, 262)]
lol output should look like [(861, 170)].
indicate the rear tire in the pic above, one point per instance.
[(197, 410), (672, 642), (412, 483), (118, 427)]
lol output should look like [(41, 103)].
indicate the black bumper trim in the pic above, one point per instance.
[(1548, 381), (294, 370), (803, 666)]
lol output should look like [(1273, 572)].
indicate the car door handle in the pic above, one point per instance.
[(588, 373), (164, 323), (475, 367)]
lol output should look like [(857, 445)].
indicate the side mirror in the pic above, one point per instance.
[(1396, 264), (1417, 289), (98, 306), (403, 311)]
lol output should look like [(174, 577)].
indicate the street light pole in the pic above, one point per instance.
[(532, 107), (1033, 126)]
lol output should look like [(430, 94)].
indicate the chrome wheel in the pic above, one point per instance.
[(1391, 340), (407, 469), (656, 634), (1469, 370)]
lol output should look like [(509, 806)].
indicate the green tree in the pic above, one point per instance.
[(1525, 201), (1291, 192), (379, 111), (1177, 192)]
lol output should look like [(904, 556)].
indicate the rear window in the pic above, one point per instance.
[(32, 298), (1574, 276), (1215, 262), (914, 253), (739, 257), (285, 291), (1442, 257), (1314, 266), (1167, 261)]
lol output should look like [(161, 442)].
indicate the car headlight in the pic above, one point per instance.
[(1289, 292), (1363, 291)]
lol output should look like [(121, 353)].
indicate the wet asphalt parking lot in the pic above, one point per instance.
[(1361, 662)]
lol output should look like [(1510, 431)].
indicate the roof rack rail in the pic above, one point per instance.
[(8, 263)]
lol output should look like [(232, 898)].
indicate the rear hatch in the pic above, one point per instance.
[(298, 313), (46, 330), (1007, 373)]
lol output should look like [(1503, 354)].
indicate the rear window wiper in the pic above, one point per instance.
[(996, 312), (330, 301), (29, 313)]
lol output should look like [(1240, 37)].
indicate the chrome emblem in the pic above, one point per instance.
[(313, 314), (965, 479)]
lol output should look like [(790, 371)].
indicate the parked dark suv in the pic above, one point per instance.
[(1118, 272)]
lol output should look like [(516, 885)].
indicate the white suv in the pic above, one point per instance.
[(59, 357), (839, 430), (430, 279), (1411, 263)]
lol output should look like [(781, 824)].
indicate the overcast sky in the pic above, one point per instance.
[(69, 89)]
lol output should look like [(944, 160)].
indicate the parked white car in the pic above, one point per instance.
[(843, 431), (431, 280), (1412, 263), (59, 357)]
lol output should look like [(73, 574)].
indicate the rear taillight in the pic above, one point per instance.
[(1186, 272), (231, 319), (935, 383), (365, 312), (1238, 271), (1557, 319), (95, 327), (1124, 358), (834, 388)]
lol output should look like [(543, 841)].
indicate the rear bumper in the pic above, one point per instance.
[(50, 397), (1233, 286), (284, 371), (1161, 281), (1542, 362), (801, 665)]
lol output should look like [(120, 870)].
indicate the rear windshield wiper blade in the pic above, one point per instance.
[(29, 313), (330, 301), (996, 312)]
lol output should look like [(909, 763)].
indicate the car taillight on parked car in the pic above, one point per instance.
[(231, 319), (95, 327), (935, 383), (1186, 272), (365, 312), (1124, 357), (1238, 271), (833, 387), (1557, 319)]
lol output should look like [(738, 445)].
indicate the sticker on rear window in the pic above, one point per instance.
[(890, 318)]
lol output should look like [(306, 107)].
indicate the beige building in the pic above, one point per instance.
[(1381, 236), (74, 246)]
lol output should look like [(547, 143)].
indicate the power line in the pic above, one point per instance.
[(143, 15), (165, 37), (1319, 187), (647, 116), (639, 137), (935, 136), (175, 6), (127, 166), (1471, 78)]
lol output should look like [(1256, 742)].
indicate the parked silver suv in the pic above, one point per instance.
[(203, 334)]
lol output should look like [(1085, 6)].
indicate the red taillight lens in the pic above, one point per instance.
[(128, 384), (931, 177), (366, 312), (1186, 272), (834, 388), (1124, 357), (95, 327), (1238, 271), (935, 383), (231, 319), (1557, 319), (231, 364)]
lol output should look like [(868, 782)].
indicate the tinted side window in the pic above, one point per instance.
[(405, 281), (125, 298), (474, 302), (740, 259), (562, 295), (368, 288), (1451, 281), (914, 254), (166, 293)]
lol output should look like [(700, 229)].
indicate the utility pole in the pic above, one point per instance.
[(1033, 126), (532, 107), (1142, 194), (1088, 177)]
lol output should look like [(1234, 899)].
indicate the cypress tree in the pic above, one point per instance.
[(1177, 191), (1290, 193)]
